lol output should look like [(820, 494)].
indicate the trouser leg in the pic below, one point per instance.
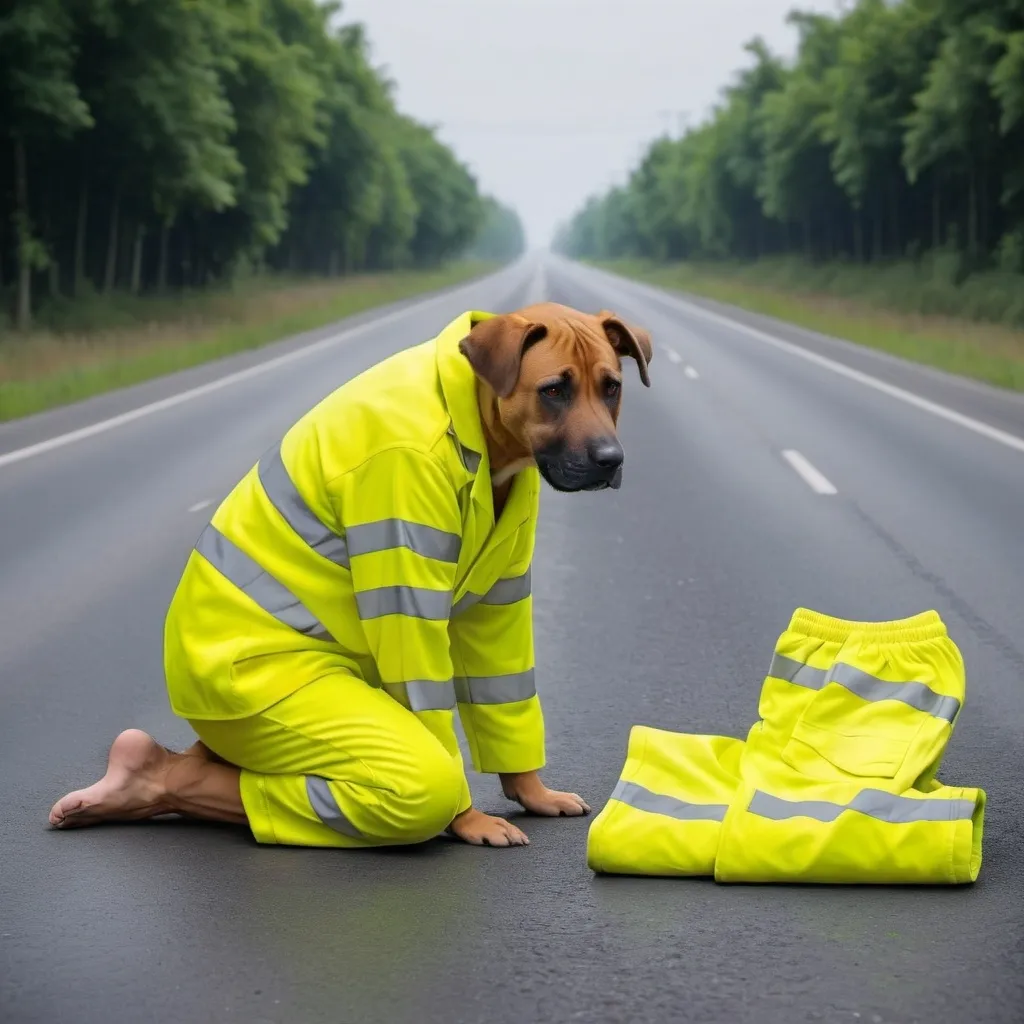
[(338, 763), (665, 815)]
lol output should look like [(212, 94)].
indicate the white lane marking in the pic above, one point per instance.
[(925, 405), (675, 357), (200, 505), (41, 447), (813, 477)]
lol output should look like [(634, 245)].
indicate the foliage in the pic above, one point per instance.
[(501, 237), (171, 145), (898, 128)]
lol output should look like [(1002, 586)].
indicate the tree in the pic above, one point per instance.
[(798, 187), (40, 102), (163, 126), (501, 236), (449, 210), (952, 128)]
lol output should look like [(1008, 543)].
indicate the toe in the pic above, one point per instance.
[(65, 808), (517, 837)]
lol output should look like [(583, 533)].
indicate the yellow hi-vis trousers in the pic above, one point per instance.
[(835, 783), (339, 763)]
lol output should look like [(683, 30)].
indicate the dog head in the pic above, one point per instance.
[(556, 376)]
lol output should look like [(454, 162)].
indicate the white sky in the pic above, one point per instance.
[(549, 101)]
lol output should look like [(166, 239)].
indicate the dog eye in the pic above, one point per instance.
[(612, 388), (553, 390)]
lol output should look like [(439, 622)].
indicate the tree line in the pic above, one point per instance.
[(897, 129), (501, 236), (169, 144)]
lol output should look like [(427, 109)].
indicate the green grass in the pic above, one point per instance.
[(139, 340), (901, 309)]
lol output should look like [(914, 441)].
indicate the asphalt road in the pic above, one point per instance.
[(657, 604)]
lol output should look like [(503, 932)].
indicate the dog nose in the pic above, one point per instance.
[(607, 454)]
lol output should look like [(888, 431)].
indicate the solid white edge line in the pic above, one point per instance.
[(200, 505), (810, 474), (691, 372), (925, 405), (672, 355), (102, 426)]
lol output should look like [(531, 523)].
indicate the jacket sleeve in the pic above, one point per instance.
[(403, 527), (493, 654)]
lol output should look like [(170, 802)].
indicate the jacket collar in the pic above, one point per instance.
[(458, 383)]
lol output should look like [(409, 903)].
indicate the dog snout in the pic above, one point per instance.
[(591, 466), (606, 453)]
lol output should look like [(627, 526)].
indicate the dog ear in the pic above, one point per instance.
[(629, 341), (495, 349)]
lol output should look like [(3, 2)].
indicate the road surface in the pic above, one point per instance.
[(765, 469)]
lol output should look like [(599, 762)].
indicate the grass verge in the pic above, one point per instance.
[(44, 369), (984, 351)]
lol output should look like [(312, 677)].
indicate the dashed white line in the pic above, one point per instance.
[(691, 372), (200, 505), (811, 475), (673, 355)]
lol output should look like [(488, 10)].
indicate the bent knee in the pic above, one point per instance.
[(424, 800)]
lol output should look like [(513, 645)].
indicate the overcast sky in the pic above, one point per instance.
[(549, 101)]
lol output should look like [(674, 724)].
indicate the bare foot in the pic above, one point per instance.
[(132, 789)]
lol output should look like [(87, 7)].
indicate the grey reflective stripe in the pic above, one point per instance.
[(866, 686), (797, 672), (466, 601), (423, 694), (285, 497), (916, 695), (875, 803), (416, 602), (495, 689), (657, 803), (504, 592), (509, 591), (384, 534), (322, 800), (252, 579)]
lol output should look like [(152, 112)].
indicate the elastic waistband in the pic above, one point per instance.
[(924, 626)]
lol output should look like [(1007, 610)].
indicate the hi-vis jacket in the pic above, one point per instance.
[(835, 783), (367, 540)]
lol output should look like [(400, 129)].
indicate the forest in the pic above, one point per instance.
[(895, 133), (154, 146)]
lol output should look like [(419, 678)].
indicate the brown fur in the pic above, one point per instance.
[(515, 354)]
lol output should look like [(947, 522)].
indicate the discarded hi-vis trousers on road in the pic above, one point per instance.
[(837, 781)]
